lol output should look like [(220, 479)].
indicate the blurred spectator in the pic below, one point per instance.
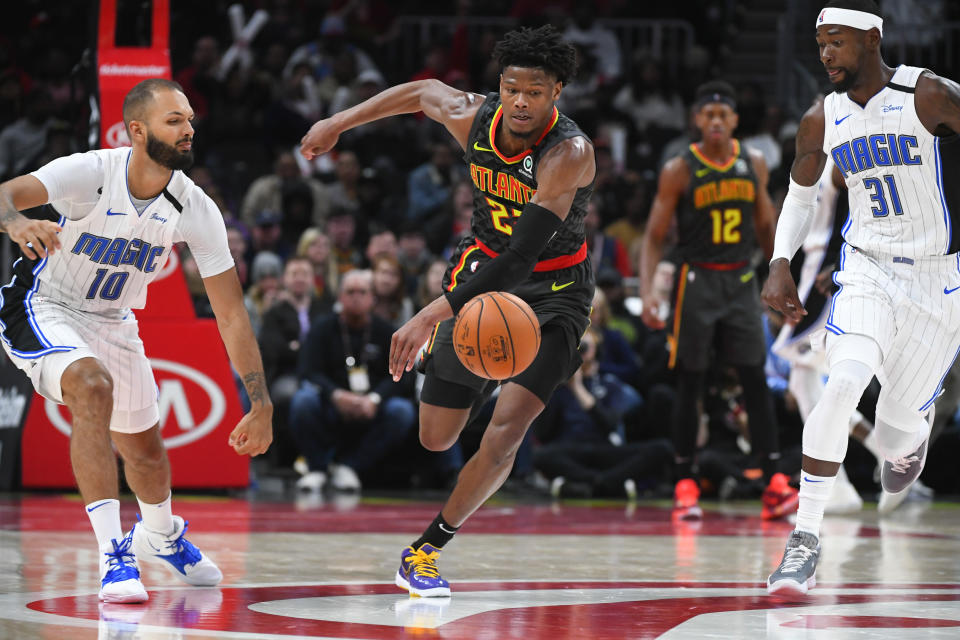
[(282, 333), (428, 186), (60, 142), (267, 192), (343, 192), (341, 228), (445, 231), (320, 53), (391, 301), (314, 245), (599, 42), (238, 241), (611, 282), (756, 126), (200, 80), (435, 61), (655, 109), (614, 356), (22, 142), (265, 273), (413, 254), (348, 408), (430, 286), (267, 233), (382, 241), (605, 251)]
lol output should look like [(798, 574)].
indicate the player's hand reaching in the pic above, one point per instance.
[(36, 238), (780, 292), (408, 339), (321, 137), (253, 434)]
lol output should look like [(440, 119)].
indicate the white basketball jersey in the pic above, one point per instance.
[(893, 170), (109, 256)]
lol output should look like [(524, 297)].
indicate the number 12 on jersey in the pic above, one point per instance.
[(878, 195), (725, 225)]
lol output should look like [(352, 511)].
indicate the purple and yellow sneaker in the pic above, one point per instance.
[(419, 575)]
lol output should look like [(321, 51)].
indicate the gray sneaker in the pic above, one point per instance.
[(794, 576), (897, 475)]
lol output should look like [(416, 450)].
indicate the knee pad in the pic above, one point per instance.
[(852, 346), (806, 385), (825, 432), (899, 429)]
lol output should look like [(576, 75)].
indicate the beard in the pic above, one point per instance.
[(849, 79), (169, 156)]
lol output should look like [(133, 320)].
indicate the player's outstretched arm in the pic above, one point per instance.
[(673, 181), (451, 107), (780, 291), (764, 211), (564, 169), (36, 238), (254, 432)]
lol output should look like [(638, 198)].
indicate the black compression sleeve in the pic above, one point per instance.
[(530, 237)]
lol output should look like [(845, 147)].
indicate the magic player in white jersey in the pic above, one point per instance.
[(892, 134), (66, 321)]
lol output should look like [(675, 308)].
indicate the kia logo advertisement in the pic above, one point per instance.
[(191, 404)]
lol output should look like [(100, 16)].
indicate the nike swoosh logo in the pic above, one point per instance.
[(703, 172), (115, 213), (97, 506), (811, 480), (949, 291), (445, 530), (842, 119), (476, 145), (557, 287)]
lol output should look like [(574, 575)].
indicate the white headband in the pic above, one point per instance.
[(851, 18)]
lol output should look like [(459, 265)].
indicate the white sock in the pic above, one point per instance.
[(105, 517), (814, 494), (158, 517)]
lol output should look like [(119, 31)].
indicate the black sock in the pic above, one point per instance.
[(770, 464), (683, 468), (439, 533)]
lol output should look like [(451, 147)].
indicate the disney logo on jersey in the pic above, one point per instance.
[(158, 218), (878, 150), (887, 108), (191, 404), (118, 251)]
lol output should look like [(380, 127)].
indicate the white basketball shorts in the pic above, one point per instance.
[(911, 308), (65, 336)]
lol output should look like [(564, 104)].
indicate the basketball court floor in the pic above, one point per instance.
[(323, 568)]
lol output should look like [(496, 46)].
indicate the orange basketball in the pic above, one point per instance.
[(496, 335)]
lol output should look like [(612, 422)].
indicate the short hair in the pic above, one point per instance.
[(869, 6), (541, 48), (142, 94)]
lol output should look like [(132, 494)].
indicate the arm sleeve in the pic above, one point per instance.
[(794, 222), (201, 227), (72, 183)]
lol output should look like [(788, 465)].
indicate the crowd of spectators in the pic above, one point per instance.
[(334, 254)]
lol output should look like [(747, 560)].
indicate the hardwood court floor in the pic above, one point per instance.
[(315, 569)]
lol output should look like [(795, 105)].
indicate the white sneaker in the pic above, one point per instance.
[(888, 502), (343, 478), (312, 481), (843, 497), (176, 553), (119, 573)]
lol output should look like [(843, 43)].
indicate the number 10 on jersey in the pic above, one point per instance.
[(112, 285)]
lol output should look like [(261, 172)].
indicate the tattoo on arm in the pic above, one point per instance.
[(256, 387), (8, 213)]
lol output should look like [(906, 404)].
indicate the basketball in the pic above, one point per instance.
[(496, 335)]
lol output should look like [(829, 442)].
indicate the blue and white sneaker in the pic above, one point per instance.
[(119, 574), (175, 552), (419, 574)]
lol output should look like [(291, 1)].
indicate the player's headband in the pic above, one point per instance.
[(851, 18), (716, 97)]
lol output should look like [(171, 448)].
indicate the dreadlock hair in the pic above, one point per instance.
[(868, 6), (541, 48)]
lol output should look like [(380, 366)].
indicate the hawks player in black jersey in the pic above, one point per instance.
[(719, 191), (533, 172)]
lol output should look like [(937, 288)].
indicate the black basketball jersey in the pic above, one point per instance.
[(503, 185), (715, 216)]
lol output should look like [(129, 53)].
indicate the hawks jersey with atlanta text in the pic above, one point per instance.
[(503, 185), (904, 195), (715, 215), (110, 251)]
